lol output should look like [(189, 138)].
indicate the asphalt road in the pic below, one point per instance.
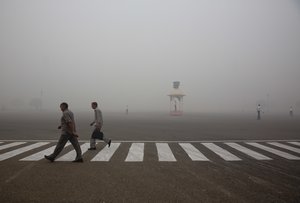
[(151, 180)]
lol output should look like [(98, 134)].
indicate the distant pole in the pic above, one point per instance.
[(41, 99), (291, 112), (268, 102)]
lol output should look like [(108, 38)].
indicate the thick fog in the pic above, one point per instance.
[(228, 55)]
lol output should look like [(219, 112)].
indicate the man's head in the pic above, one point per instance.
[(63, 106), (94, 105)]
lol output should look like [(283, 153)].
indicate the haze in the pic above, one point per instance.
[(228, 55)]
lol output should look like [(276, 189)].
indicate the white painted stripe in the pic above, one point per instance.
[(40, 155), (164, 152), (224, 154), (21, 150), (70, 156), (274, 151), (293, 149), (11, 145), (193, 152), (106, 153), (295, 143), (162, 141), (136, 152), (194, 141), (247, 151)]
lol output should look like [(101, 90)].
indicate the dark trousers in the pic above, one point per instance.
[(64, 138), (258, 115)]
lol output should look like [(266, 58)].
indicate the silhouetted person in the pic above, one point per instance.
[(68, 132), (291, 112), (259, 109), (98, 123)]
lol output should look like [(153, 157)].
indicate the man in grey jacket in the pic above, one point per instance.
[(97, 123)]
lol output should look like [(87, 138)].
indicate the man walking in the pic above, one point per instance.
[(68, 132), (291, 112), (258, 111), (98, 123)]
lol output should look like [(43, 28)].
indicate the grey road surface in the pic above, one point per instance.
[(194, 158)]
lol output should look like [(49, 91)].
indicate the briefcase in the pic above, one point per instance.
[(97, 134)]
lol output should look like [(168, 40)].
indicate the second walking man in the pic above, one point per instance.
[(97, 123)]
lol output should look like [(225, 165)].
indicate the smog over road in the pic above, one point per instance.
[(229, 56)]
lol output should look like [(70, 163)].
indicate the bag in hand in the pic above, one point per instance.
[(97, 134)]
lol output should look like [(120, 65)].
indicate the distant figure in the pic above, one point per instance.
[(68, 132), (291, 112), (98, 123), (126, 110), (259, 109)]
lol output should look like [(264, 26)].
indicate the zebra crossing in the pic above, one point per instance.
[(164, 152), (107, 152), (247, 151), (195, 151), (226, 155)]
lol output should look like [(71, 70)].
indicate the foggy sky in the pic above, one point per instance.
[(228, 55)]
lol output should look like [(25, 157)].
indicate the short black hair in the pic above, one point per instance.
[(95, 103), (64, 104)]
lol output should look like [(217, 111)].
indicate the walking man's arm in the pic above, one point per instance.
[(71, 129)]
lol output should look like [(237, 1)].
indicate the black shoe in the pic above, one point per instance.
[(78, 160), (92, 148), (49, 158), (109, 142)]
